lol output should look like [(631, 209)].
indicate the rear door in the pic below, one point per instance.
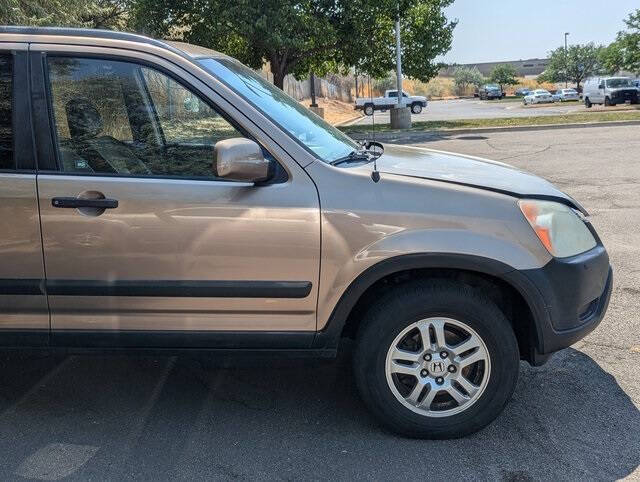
[(24, 318), (172, 255)]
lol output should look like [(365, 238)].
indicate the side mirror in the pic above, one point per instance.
[(240, 159), (601, 86)]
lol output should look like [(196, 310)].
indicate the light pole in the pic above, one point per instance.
[(398, 62), (566, 61)]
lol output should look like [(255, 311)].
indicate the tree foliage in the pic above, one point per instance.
[(611, 58), (300, 36), (110, 14), (575, 65), (504, 74), (624, 53), (463, 77)]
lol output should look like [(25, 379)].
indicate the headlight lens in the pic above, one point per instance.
[(558, 227)]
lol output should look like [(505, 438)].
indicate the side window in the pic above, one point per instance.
[(116, 117), (6, 112), (184, 118)]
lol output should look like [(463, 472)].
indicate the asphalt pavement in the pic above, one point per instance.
[(191, 418), (477, 109)]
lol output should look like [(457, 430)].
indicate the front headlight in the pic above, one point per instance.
[(558, 227)]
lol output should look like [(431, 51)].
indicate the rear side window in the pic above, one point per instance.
[(6, 112)]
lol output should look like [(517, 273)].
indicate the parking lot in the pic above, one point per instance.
[(478, 109), (149, 417)]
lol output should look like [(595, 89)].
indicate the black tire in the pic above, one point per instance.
[(368, 109), (415, 301), (416, 108), (587, 103), (607, 102)]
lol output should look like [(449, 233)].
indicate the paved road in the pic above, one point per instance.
[(156, 418), (477, 109)]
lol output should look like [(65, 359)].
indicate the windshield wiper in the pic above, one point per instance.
[(361, 155)]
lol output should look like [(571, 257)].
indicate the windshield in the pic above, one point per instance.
[(492, 86), (320, 138), (618, 83)]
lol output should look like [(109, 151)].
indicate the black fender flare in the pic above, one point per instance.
[(329, 336)]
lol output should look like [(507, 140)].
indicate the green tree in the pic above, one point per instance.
[(611, 58), (574, 65), (65, 13), (628, 44), (463, 77), (300, 36), (368, 36), (504, 74)]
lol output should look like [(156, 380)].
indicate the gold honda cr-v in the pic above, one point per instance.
[(162, 195)]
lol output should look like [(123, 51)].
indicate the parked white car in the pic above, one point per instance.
[(538, 96), (563, 95), (390, 100)]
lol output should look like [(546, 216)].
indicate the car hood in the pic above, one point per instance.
[(469, 171)]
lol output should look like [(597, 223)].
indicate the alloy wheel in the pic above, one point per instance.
[(437, 367)]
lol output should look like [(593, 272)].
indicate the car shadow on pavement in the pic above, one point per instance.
[(185, 417)]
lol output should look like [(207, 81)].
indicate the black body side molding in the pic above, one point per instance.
[(169, 289)]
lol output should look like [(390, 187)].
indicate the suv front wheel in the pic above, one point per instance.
[(436, 359)]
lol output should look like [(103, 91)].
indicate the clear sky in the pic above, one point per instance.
[(494, 30)]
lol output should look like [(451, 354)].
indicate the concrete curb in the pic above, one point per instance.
[(480, 130), (541, 127)]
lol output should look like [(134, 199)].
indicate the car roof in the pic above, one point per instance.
[(93, 37)]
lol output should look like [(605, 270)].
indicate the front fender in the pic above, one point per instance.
[(329, 337)]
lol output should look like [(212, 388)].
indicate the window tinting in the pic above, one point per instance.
[(124, 118), (6, 113)]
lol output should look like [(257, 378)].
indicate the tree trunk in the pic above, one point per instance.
[(278, 79), (279, 70)]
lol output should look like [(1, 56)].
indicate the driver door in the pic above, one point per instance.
[(151, 248)]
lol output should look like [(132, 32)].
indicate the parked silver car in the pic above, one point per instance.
[(178, 200), (564, 95)]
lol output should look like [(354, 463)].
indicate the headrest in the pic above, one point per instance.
[(83, 118)]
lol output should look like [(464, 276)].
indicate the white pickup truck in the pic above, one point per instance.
[(390, 100)]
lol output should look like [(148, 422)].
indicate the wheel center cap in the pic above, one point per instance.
[(438, 367)]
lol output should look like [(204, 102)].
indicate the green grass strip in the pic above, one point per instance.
[(506, 121)]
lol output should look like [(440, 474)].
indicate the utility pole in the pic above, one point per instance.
[(314, 107), (398, 62), (566, 61), (400, 115)]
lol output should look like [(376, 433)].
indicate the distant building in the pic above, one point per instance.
[(524, 68)]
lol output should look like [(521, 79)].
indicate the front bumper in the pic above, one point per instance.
[(568, 297), (621, 97)]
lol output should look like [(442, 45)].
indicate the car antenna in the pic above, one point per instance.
[(375, 175)]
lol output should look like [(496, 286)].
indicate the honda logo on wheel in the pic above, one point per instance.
[(437, 367)]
